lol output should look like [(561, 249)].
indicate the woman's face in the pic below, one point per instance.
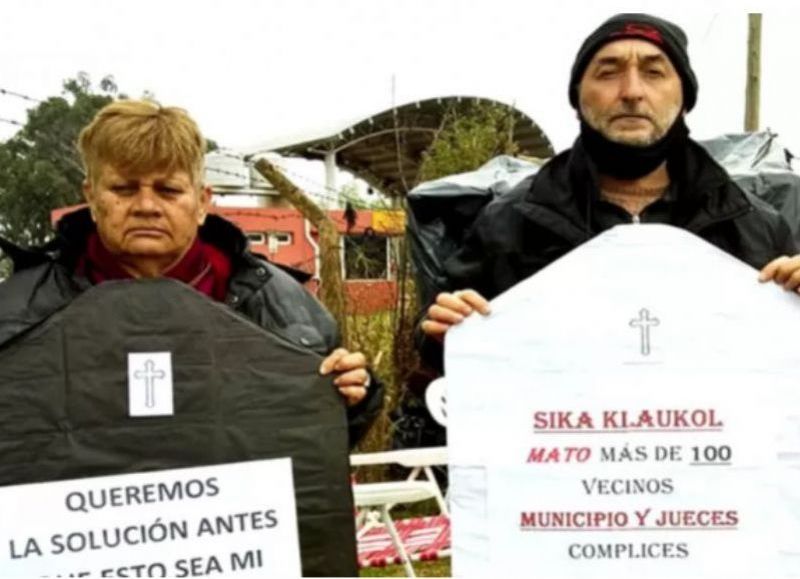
[(148, 221)]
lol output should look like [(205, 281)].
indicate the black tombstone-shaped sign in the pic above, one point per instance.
[(240, 393)]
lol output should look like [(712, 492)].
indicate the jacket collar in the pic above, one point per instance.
[(566, 190), (73, 230)]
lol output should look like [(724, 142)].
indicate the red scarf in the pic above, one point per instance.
[(203, 267)]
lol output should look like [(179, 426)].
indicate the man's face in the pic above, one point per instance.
[(630, 92), (150, 218)]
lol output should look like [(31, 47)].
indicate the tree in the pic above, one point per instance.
[(471, 134), (331, 289), (469, 137), (40, 169)]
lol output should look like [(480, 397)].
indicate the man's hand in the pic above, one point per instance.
[(784, 271), (353, 378), (450, 310)]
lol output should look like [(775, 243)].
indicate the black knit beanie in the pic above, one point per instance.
[(667, 36)]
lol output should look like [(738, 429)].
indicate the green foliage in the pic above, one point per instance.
[(437, 568), (471, 134), (40, 169), (348, 193), (5, 267)]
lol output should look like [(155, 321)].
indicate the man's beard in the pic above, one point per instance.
[(630, 161)]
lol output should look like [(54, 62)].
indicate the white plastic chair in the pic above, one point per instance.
[(375, 500), (436, 400)]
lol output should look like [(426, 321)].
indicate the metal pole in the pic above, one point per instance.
[(330, 172)]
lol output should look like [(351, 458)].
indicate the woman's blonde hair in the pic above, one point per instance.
[(141, 136)]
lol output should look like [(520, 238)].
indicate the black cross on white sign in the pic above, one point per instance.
[(149, 375), (644, 322)]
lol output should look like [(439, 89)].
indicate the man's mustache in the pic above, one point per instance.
[(629, 114), (631, 110)]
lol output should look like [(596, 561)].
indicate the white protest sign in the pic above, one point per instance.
[(632, 410), (236, 520)]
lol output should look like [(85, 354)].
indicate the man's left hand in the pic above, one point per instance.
[(784, 271), (353, 378)]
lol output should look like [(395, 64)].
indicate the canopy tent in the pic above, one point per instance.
[(385, 149)]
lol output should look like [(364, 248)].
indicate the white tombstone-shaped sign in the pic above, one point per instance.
[(633, 410)]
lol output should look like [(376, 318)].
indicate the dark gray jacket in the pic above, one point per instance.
[(44, 282), (551, 213)]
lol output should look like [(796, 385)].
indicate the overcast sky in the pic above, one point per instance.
[(252, 71)]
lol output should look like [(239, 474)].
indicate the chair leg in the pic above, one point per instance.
[(398, 544), (440, 500), (361, 519)]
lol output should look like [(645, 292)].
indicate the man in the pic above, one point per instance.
[(148, 216), (631, 85)]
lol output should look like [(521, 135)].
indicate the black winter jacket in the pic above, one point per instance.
[(559, 208), (44, 282)]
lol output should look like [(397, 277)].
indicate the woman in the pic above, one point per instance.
[(147, 216)]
